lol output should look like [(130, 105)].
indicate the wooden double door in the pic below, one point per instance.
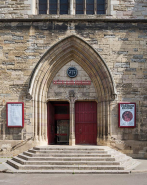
[(85, 122)]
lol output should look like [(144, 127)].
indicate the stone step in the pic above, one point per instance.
[(63, 167), (68, 151), (81, 160), (65, 155), (73, 171), (24, 162), (69, 148), (14, 170), (65, 158)]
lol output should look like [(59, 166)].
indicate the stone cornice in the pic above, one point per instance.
[(73, 19)]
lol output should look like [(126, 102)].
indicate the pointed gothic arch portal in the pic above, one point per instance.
[(61, 54)]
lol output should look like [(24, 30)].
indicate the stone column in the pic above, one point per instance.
[(72, 124), (45, 122), (36, 120), (72, 118), (108, 116), (98, 123), (104, 120), (40, 120), (101, 120)]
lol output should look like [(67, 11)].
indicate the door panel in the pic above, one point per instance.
[(62, 131), (86, 122)]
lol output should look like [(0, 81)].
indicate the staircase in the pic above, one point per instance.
[(72, 160)]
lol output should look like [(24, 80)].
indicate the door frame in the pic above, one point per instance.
[(54, 117)]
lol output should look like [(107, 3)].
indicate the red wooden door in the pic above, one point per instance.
[(86, 122), (51, 123)]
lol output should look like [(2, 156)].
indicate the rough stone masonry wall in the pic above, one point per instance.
[(121, 45), (116, 9), (14, 9), (129, 8)]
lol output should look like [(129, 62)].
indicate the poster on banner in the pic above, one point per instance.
[(127, 115), (15, 114)]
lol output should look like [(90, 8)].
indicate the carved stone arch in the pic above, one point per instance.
[(70, 48)]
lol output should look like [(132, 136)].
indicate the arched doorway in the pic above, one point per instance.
[(71, 49)]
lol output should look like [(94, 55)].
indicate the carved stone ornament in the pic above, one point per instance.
[(114, 96), (71, 93), (28, 96)]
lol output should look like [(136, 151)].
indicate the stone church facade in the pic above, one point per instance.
[(106, 43)]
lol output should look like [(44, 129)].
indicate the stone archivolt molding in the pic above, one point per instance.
[(70, 48)]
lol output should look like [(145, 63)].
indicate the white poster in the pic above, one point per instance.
[(127, 115), (14, 115)]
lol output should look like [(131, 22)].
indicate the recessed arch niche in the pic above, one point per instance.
[(66, 50)]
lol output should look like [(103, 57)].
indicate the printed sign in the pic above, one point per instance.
[(127, 115), (15, 114), (76, 82), (72, 72)]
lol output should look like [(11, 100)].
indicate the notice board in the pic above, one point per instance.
[(15, 114), (127, 115)]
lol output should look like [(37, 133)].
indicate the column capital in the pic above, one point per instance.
[(71, 96)]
